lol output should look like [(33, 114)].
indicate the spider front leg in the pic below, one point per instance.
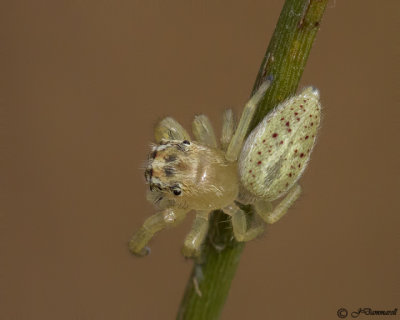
[(263, 208), (239, 224), (170, 129), (203, 131), (194, 240), (161, 220), (228, 128)]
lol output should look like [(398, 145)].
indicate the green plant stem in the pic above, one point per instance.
[(285, 59)]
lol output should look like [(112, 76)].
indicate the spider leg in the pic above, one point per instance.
[(170, 129), (157, 222), (239, 224), (235, 146), (228, 128), (203, 131), (195, 238), (263, 208)]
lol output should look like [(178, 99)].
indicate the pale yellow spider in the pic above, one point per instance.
[(203, 176)]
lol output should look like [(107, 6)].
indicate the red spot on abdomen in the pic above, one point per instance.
[(274, 135)]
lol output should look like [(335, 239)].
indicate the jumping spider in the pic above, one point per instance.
[(203, 176)]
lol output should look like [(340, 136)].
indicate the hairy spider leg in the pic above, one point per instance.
[(263, 208), (196, 236), (239, 224), (170, 129), (228, 128), (235, 146), (157, 222), (203, 131)]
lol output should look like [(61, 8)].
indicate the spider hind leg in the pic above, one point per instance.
[(239, 224), (236, 143), (263, 208)]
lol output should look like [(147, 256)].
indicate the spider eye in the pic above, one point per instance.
[(176, 190), (186, 142)]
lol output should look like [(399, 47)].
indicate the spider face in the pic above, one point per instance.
[(191, 175), (166, 164)]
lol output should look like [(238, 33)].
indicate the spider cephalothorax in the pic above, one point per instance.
[(201, 175), (191, 175)]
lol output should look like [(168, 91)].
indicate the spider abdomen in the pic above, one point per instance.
[(277, 151)]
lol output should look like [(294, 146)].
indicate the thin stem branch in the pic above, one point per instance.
[(285, 59)]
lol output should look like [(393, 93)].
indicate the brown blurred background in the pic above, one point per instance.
[(83, 84)]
